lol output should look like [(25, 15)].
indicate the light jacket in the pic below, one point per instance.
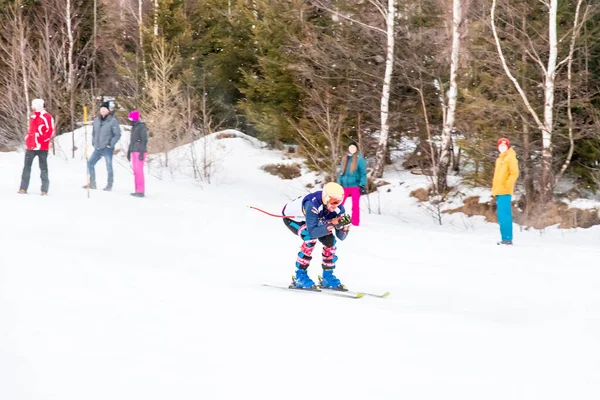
[(505, 173)]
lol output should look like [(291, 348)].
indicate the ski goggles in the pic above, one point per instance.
[(335, 202)]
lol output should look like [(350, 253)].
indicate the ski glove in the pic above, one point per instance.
[(341, 222), (141, 156), (363, 190), (129, 156)]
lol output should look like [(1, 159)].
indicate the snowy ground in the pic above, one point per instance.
[(114, 297)]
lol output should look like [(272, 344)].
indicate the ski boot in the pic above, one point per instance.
[(330, 281), (302, 281)]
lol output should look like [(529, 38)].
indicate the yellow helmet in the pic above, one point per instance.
[(333, 191)]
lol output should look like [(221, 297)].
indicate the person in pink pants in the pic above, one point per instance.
[(353, 178), (138, 147)]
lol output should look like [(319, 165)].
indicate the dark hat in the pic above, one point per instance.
[(106, 105), (353, 143)]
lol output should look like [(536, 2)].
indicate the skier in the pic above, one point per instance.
[(503, 185), (37, 140), (137, 151), (317, 216)]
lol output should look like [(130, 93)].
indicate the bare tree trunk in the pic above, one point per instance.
[(70, 72), (547, 182), (95, 33), (527, 167), (22, 45), (434, 168), (446, 144), (155, 17), (141, 33), (527, 164), (380, 155), (576, 27), (545, 126)]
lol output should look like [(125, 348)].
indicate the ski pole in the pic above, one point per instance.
[(273, 215), (87, 172)]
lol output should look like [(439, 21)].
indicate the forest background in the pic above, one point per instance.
[(313, 75)]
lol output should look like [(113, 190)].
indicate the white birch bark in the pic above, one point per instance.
[(141, 33), (385, 94), (547, 181), (22, 44), (535, 116), (444, 161), (70, 70), (71, 44), (388, 13), (576, 29)]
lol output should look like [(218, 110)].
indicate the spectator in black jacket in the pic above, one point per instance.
[(138, 147)]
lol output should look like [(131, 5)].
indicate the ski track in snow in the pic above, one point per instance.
[(114, 297)]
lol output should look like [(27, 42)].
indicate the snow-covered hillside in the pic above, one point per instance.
[(115, 297)]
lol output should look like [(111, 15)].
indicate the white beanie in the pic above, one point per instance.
[(38, 104)]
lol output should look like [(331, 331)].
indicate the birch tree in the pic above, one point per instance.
[(450, 108), (387, 10), (544, 123), (576, 29), (70, 70)]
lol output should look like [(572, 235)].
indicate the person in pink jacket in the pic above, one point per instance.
[(138, 147)]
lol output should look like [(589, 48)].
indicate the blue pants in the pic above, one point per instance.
[(505, 219), (96, 156)]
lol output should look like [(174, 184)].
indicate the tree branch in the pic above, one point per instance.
[(507, 70), (371, 27), (576, 28)]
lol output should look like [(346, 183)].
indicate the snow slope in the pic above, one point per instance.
[(114, 297)]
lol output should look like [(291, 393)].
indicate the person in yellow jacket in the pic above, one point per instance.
[(505, 176)]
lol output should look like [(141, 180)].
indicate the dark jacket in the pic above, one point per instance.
[(139, 137), (316, 215), (106, 132)]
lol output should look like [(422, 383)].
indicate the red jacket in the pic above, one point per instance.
[(41, 130)]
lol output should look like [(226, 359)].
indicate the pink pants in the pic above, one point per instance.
[(138, 171), (353, 192)]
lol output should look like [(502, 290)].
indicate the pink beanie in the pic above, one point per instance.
[(134, 115)]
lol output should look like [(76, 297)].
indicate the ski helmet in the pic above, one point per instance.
[(333, 191)]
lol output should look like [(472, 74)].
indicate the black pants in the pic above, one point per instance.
[(293, 226), (43, 160)]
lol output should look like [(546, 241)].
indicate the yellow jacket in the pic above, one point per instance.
[(506, 173)]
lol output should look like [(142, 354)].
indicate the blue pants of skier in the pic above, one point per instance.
[(504, 212)]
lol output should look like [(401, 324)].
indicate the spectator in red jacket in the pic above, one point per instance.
[(41, 131)]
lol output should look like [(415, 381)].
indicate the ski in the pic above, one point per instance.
[(339, 293), (381, 296)]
